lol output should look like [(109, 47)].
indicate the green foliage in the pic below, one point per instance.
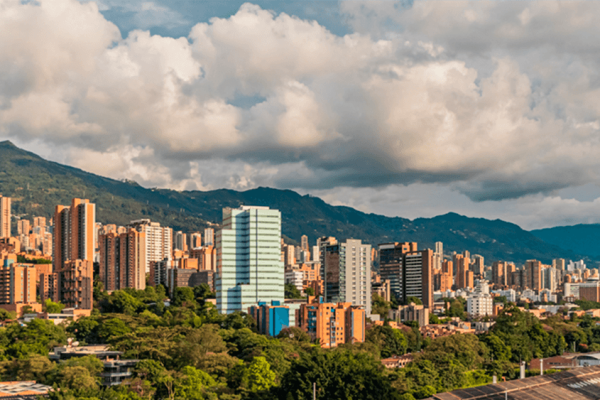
[(339, 374), (587, 305), (52, 307), (24, 260), (184, 296), (292, 292), (388, 340), (309, 291), (260, 376), (412, 299), (380, 306)]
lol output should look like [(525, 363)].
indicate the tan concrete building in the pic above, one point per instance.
[(122, 259), (332, 324), (18, 287), (5, 215)]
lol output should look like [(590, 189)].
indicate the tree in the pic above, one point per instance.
[(413, 299), (292, 292), (389, 341), (338, 374), (260, 376), (111, 328), (309, 291), (184, 296), (52, 307), (192, 384)]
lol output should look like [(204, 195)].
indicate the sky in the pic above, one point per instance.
[(414, 109)]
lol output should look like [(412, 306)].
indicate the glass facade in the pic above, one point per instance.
[(249, 266)]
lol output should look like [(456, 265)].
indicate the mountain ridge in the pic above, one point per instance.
[(49, 183)]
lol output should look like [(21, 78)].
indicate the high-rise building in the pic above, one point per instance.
[(123, 260), (500, 275), (478, 265), (209, 237), (550, 278), (417, 277), (5, 215), (322, 243), (461, 263), (39, 222), (159, 240), (533, 275), (75, 284), (590, 291), (74, 232), (480, 303), (410, 312), (332, 324), (180, 241), (74, 253), (390, 263), (304, 243), (438, 256), (559, 263), (23, 227), (195, 240), (249, 267), (348, 274)]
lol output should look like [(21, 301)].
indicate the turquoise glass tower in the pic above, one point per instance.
[(249, 266)]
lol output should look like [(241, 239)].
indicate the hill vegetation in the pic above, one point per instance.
[(37, 186)]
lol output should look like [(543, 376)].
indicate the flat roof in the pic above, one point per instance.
[(574, 384)]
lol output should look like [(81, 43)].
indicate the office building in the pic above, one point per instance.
[(270, 319), (249, 267), (209, 237), (159, 240), (5, 216), (123, 260), (409, 313), (332, 324), (550, 278), (348, 274), (390, 263)]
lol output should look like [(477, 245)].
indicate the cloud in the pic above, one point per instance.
[(488, 99)]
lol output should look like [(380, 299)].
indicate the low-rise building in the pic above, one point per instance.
[(411, 312), (23, 390), (270, 319), (397, 361), (116, 370)]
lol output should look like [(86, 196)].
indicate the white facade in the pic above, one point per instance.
[(510, 294), (295, 278), (249, 266), (349, 279), (479, 305), (158, 240), (209, 237)]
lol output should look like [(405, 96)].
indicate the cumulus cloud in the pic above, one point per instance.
[(495, 100)]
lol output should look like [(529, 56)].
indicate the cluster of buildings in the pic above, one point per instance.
[(248, 265)]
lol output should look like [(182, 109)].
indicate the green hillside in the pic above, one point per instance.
[(582, 238), (37, 185)]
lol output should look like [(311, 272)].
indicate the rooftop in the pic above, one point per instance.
[(23, 389), (575, 384)]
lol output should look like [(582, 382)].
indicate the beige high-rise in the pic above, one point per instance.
[(5, 214)]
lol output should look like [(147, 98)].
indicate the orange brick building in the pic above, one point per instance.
[(18, 287), (333, 324)]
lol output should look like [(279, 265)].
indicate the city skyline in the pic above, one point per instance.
[(505, 127)]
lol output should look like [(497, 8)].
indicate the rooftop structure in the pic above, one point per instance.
[(575, 384), (23, 390)]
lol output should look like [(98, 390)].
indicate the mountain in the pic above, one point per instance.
[(37, 185), (581, 239)]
